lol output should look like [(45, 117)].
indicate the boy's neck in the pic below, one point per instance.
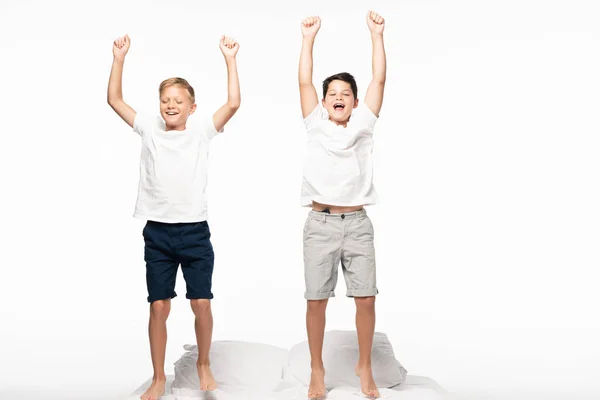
[(344, 124), (175, 128)]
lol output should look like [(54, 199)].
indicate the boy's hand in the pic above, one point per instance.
[(121, 46), (310, 26), (229, 47), (375, 22)]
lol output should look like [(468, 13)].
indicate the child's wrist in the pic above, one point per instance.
[(230, 61), (376, 36)]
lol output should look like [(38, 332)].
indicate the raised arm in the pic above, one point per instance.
[(374, 96), (115, 93), (308, 93), (229, 47)]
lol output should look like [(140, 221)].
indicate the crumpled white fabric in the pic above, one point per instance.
[(340, 356), (300, 393), (247, 365), (417, 389)]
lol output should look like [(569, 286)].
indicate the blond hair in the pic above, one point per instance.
[(177, 82)]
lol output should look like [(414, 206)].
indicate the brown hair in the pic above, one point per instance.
[(177, 82), (344, 77)]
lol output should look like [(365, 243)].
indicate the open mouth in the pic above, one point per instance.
[(338, 106), (171, 113)]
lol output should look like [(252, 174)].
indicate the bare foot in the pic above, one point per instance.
[(207, 381), (155, 390), (367, 383), (316, 389)]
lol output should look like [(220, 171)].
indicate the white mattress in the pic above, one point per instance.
[(415, 388)]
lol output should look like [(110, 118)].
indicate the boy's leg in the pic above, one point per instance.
[(204, 326), (322, 240), (315, 329), (197, 264), (358, 264), (157, 331), (161, 271), (365, 328)]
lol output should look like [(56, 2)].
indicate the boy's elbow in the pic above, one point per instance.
[(234, 104), (379, 80), (305, 87), (112, 100)]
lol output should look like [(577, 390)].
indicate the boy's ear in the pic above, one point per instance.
[(355, 103), (193, 108), (323, 101)]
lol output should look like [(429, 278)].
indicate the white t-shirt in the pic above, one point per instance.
[(338, 168), (173, 170)]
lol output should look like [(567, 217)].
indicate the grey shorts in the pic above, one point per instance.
[(333, 238)]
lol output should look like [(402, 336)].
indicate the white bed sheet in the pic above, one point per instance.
[(415, 388)]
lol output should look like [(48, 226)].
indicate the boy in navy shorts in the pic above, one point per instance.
[(172, 198)]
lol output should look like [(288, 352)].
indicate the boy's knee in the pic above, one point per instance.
[(160, 308), (365, 302), (316, 305), (200, 306)]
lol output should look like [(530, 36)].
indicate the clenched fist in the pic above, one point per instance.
[(229, 47), (121, 46), (375, 22), (310, 26)]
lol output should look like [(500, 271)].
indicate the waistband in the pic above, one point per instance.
[(322, 216)]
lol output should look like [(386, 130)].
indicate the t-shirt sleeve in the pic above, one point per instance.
[(144, 123), (365, 116), (208, 127), (203, 125), (315, 117)]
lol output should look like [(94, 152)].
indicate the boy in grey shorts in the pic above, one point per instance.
[(337, 183)]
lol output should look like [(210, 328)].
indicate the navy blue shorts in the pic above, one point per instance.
[(167, 246)]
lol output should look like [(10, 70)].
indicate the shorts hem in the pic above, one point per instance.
[(362, 292), (152, 299), (318, 295), (205, 296)]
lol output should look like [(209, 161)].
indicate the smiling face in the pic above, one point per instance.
[(176, 105), (339, 101)]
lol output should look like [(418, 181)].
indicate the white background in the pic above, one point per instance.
[(487, 165)]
